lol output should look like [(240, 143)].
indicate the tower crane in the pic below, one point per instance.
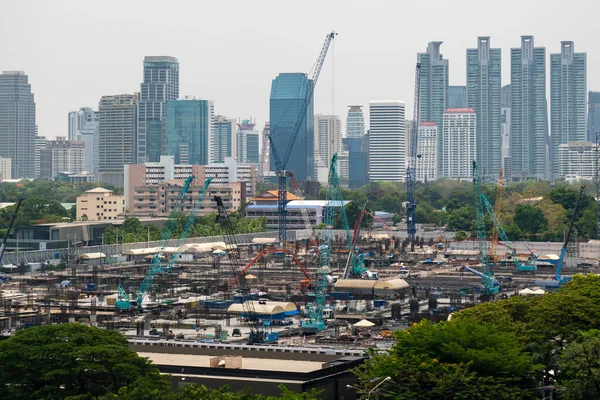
[(238, 281), (281, 163), (492, 256), (559, 279), (123, 301), (411, 170), (10, 226), (298, 192)]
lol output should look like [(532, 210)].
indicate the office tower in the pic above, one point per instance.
[(117, 125), (224, 139), (457, 96), (5, 169), (427, 150), (40, 143), (328, 138), (17, 123), (83, 120), (568, 87), (593, 119), (483, 95), (189, 127), (433, 89), (161, 84), (529, 116), (505, 106), (288, 91), (459, 142), (358, 160), (387, 139), (265, 151), (355, 122), (248, 143), (62, 155), (577, 160)]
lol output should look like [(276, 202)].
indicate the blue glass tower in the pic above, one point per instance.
[(189, 124), (288, 91)]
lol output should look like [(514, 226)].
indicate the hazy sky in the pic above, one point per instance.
[(75, 51)]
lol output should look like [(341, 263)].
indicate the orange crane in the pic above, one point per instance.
[(492, 257)]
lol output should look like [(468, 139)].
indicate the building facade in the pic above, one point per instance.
[(427, 152), (224, 142), (328, 138), (460, 143), (83, 120), (568, 92), (189, 130), (161, 84), (355, 122), (117, 127), (433, 90), (358, 160), (387, 141), (5, 169), (505, 107), (529, 111), (40, 143), (593, 119), (288, 91), (577, 160), (99, 204), (248, 143), (457, 95), (17, 123), (484, 96), (62, 155)]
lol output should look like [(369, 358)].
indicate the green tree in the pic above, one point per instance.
[(59, 361), (580, 366), (462, 219), (529, 219)]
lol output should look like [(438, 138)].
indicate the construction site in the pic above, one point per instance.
[(316, 297)]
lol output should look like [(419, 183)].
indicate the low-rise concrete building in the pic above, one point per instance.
[(100, 204)]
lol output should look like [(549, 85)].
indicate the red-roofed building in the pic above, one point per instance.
[(460, 110)]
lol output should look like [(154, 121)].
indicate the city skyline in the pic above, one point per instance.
[(367, 66)]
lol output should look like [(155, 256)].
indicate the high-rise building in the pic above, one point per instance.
[(17, 123), (83, 120), (593, 124), (355, 122), (5, 169), (460, 142), (328, 138), (189, 127), (433, 89), (117, 126), (161, 84), (529, 113), (457, 96), (62, 155), (358, 160), (568, 90), (288, 91), (505, 106), (265, 151), (40, 143), (224, 142), (483, 95), (248, 143), (427, 151), (577, 160), (387, 141)]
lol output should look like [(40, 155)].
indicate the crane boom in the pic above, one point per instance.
[(563, 251), (10, 226), (492, 255), (281, 163), (411, 171)]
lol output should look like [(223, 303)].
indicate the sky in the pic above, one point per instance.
[(76, 51)]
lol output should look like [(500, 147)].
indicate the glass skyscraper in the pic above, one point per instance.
[(17, 123), (288, 91), (355, 122), (161, 84), (568, 89), (457, 96), (593, 126), (189, 126), (433, 90), (224, 142), (483, 95), (248, 143), (529, 111)]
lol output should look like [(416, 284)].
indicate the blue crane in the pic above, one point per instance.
[(123, 300), (316, 305), (559, 279), (489, 282), (281, 163), (411, 170)]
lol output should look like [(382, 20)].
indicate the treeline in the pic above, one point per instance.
[(520, 348)]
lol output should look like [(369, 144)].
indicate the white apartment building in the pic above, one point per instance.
[(427, 152), (99, 204), (459, 140), (328, 138), (577, 160), (5, 169), (387, 141)]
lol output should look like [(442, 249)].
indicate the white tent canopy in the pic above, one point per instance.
[(364, 324)]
